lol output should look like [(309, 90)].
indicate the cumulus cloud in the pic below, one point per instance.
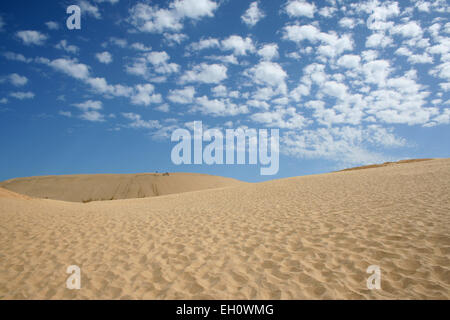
[(346, 145), (202, 44), (137, 122), (104, 57), (182, 96), (145, 95), (153, 62), (16, 57), (217, 107), (22, 95), (331, 44), (300, 8), (269, 73), (31, 37), (71, 68), (52, 25), (347, 22), (89, 105), (240, 46), (376, 40), (89, 9), (269, 51), (15, 79), (205, 73), (64, 45), (147, 18), (286, 118), (408, 30), (349, 61), (253, 15)]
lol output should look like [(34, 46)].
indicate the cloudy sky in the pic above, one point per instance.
[(347, 83)]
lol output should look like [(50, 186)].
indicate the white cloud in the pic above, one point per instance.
[(408, 30), (347, 22), (300, 8), (423, 6), (331, 43), (300, 91), (147, 18), (89, 8), (220, 91), (122, 43), (137, 121), (140, 47), (327, 12), (335, 89), (17, 80), (442, 70), (71, 68), (93, 116), (205, 73), (286, 118), (159, 60), (89, 105), (104, 57), (230, 59), (16, 57), (194, 9), (378, 40), (182, 96), (31, 37), (63, 45), (377, 71), (269, 51), (269, 73), (67, 114), (205, 44), (163, 108), (346, 145), (22, 95), (253, 15), (174, 38), (156, 61), (144, 95), (414, 58), (52, 25), (349, 61), (217, 107), (239, 45)]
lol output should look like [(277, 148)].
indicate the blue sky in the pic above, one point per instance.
[(347, 83)]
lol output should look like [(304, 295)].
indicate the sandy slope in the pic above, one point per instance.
[(300, 238), (87, 188), (9, 194)]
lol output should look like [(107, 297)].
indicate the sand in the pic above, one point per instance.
[(309, 237), (101, 187)]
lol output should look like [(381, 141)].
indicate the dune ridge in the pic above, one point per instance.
[(310, 237), (101, 187)]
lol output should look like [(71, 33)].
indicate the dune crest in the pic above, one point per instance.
[(101, 187), (12, 195)]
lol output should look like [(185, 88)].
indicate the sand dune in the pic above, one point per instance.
[(386, 164), (8, 194), (97, 187), (309, 237)]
